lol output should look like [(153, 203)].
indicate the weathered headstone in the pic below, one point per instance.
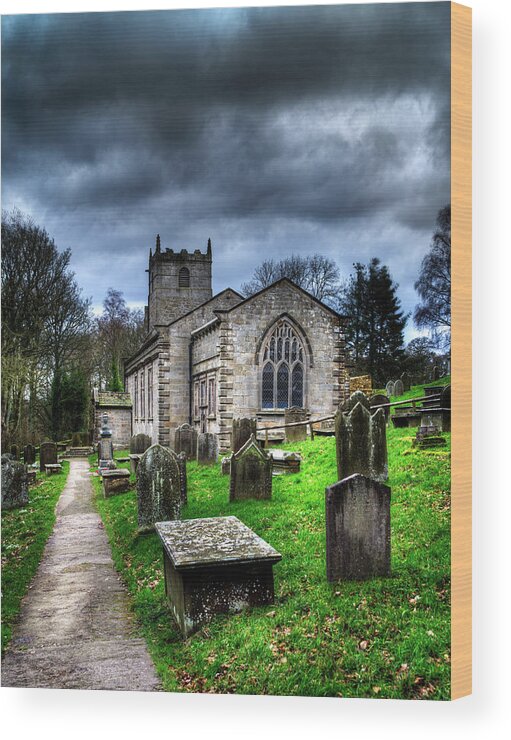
[(361, 440), (242, 430), (445, 398), (405, 379), (47, 455), (15, 452), (298, 433), (105, 450), (226, 465), (139, 443), (357, 529), (398, 387), (379, 399), (389, 388), (185, 440), (158, 487), (14, 484), (250, 473), (207, 448), (181, 461), (29, 454)]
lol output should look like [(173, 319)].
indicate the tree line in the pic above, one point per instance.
[(54, 349)]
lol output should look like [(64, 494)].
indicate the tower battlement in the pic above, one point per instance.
[(178, 282)]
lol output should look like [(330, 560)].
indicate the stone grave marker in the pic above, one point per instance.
[(389, 388), (405, 379), (15, 452), (377, 400), (250, 473), (181, 461), (185, 440), (242, 430), (158, 487), (139, 443), (299, 433), (214, 566), (14, 484), (207, 448), (47, 455), (115, 481), (445, 398), (105, 450), (436, 372), (134, 461), (361, 440), (226, 465), (398, 387), (29, 454), (357, 529)]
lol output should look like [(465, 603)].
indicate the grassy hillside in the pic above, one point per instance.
[(384, 638), (24, 535)]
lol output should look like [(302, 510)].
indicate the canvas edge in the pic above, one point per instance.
[(461, 352)]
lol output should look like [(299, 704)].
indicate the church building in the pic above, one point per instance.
[(208, 359)]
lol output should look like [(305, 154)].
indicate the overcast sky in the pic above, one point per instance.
[(271, 130)]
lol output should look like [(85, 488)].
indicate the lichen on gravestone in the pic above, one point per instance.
[(158, 487)]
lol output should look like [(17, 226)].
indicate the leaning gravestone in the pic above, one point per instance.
[(185, 440), (379, 399), (357, 529), (47, 455), (242, 430), (14, 484), (405, 379), (298, 433), (389, 388), (250, 473), (207, 449), (158, 488), (361, 440), (29, 454), (398, 387), (139, 443)]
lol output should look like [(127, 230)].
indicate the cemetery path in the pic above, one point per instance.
[(75, 629)]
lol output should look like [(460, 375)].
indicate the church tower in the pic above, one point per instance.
[(178, 282)]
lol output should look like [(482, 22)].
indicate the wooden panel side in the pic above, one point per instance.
[(461, 355)]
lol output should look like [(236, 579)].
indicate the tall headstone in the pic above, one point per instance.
[(207, 449), (379, 399), (29, 454), (250, 473), (15, 452), (389, 388), (242, 430), (361, 440), (139, 443), (398, 387), (405, 379), (185, 440), (105, 444), (47, 455), (158, 487), (14, 484), (357, 529), (298, 433)]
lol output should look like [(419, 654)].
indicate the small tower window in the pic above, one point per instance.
[(184, 277)]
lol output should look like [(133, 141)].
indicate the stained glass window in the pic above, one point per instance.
[(282, 378), (267, 395)]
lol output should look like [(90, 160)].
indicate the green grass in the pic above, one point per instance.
[(383, 638), (24, 535)]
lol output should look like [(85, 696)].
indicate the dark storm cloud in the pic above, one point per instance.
[(328, 124)]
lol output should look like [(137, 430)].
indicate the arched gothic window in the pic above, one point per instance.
[(283, 369), (184, 277)]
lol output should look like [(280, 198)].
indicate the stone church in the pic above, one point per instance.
[(209, 358)]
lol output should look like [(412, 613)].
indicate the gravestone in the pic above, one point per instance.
[(185, 440), (105, 450), (181, 461), (14, 484), (361, 440), (299, 433), (158, 487), (47, 455), (436, 372), (357, 529), (380, 399), (389, 388), (15, 452), (445, 398), (29, 454), (250, 473), (134, 461), (242, 430), (405, 379), (226, 465), (139, 443), (398, 387), (115, 481), (207, 448)]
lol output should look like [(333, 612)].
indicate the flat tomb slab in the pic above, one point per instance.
[(115, 481), (214, 566), (53, 468)]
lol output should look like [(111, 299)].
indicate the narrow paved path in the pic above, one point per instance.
[(75, 629)]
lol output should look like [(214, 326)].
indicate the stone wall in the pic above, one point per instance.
[(119, 421), (362, 383)]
